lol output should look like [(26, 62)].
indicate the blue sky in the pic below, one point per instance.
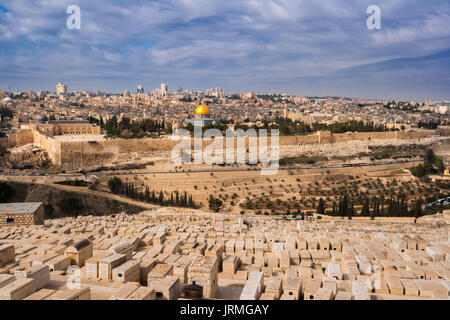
[(304, 47)]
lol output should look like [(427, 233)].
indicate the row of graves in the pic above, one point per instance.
[(164, 254)]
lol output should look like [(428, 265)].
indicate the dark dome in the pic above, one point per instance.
[(42, 118)]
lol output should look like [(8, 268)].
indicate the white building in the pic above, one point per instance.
[(61, 89), (443, 109), (164, 89)]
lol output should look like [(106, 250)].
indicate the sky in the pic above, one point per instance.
[(299, 47)]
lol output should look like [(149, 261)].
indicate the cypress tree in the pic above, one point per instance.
[(161, 198), (321, 207), (351, 211)]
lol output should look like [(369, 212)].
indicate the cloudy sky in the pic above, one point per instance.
[(305, 47)]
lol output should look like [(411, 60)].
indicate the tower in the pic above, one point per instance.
[(61, 89), (164, 89)]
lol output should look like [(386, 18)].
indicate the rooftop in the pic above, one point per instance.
[(20, 208)]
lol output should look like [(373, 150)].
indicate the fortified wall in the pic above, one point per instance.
[(21, 137), (72, 151), (81, 154), (322, 137)]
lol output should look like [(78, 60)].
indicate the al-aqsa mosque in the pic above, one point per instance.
[(202, 116)]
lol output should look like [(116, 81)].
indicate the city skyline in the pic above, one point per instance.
[(293, 47)]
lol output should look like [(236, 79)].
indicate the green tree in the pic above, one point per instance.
[(321, 207), (365, 208), (418, 208), (161, 198), (440, 166), (214, 204), (351, 211), (115, 185), (429, 156), (343, 207)]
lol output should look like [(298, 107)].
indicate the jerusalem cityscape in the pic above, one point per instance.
[(319, 177)]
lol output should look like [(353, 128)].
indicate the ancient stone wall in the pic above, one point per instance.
[(72, 155), (49, 144), (23, 219), (82, 154), (39, 216), (21, 137)]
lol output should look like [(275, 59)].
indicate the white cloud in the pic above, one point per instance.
[(259, 40)]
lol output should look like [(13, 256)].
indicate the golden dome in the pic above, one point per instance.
[(202, 109)]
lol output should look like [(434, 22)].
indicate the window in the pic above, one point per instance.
[(159, 294), (9, 220)]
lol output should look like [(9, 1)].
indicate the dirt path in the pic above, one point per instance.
[(85, 190)]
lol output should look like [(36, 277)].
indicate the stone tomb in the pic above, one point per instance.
[(203, 272), (7, 254)]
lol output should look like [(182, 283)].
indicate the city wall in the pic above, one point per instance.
[(21, 137), (73, 155), (49, 144), (327, 137)]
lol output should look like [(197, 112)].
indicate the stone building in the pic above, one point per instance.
[(203, 272), (21, 214), (79, 252), (202, 116), (61, 127)]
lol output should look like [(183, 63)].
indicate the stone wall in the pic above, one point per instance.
[(16, 219), (7, 254), (21, 137), (49, 144), (73, 155), (22, 219), (321, 137), (39, 216)]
